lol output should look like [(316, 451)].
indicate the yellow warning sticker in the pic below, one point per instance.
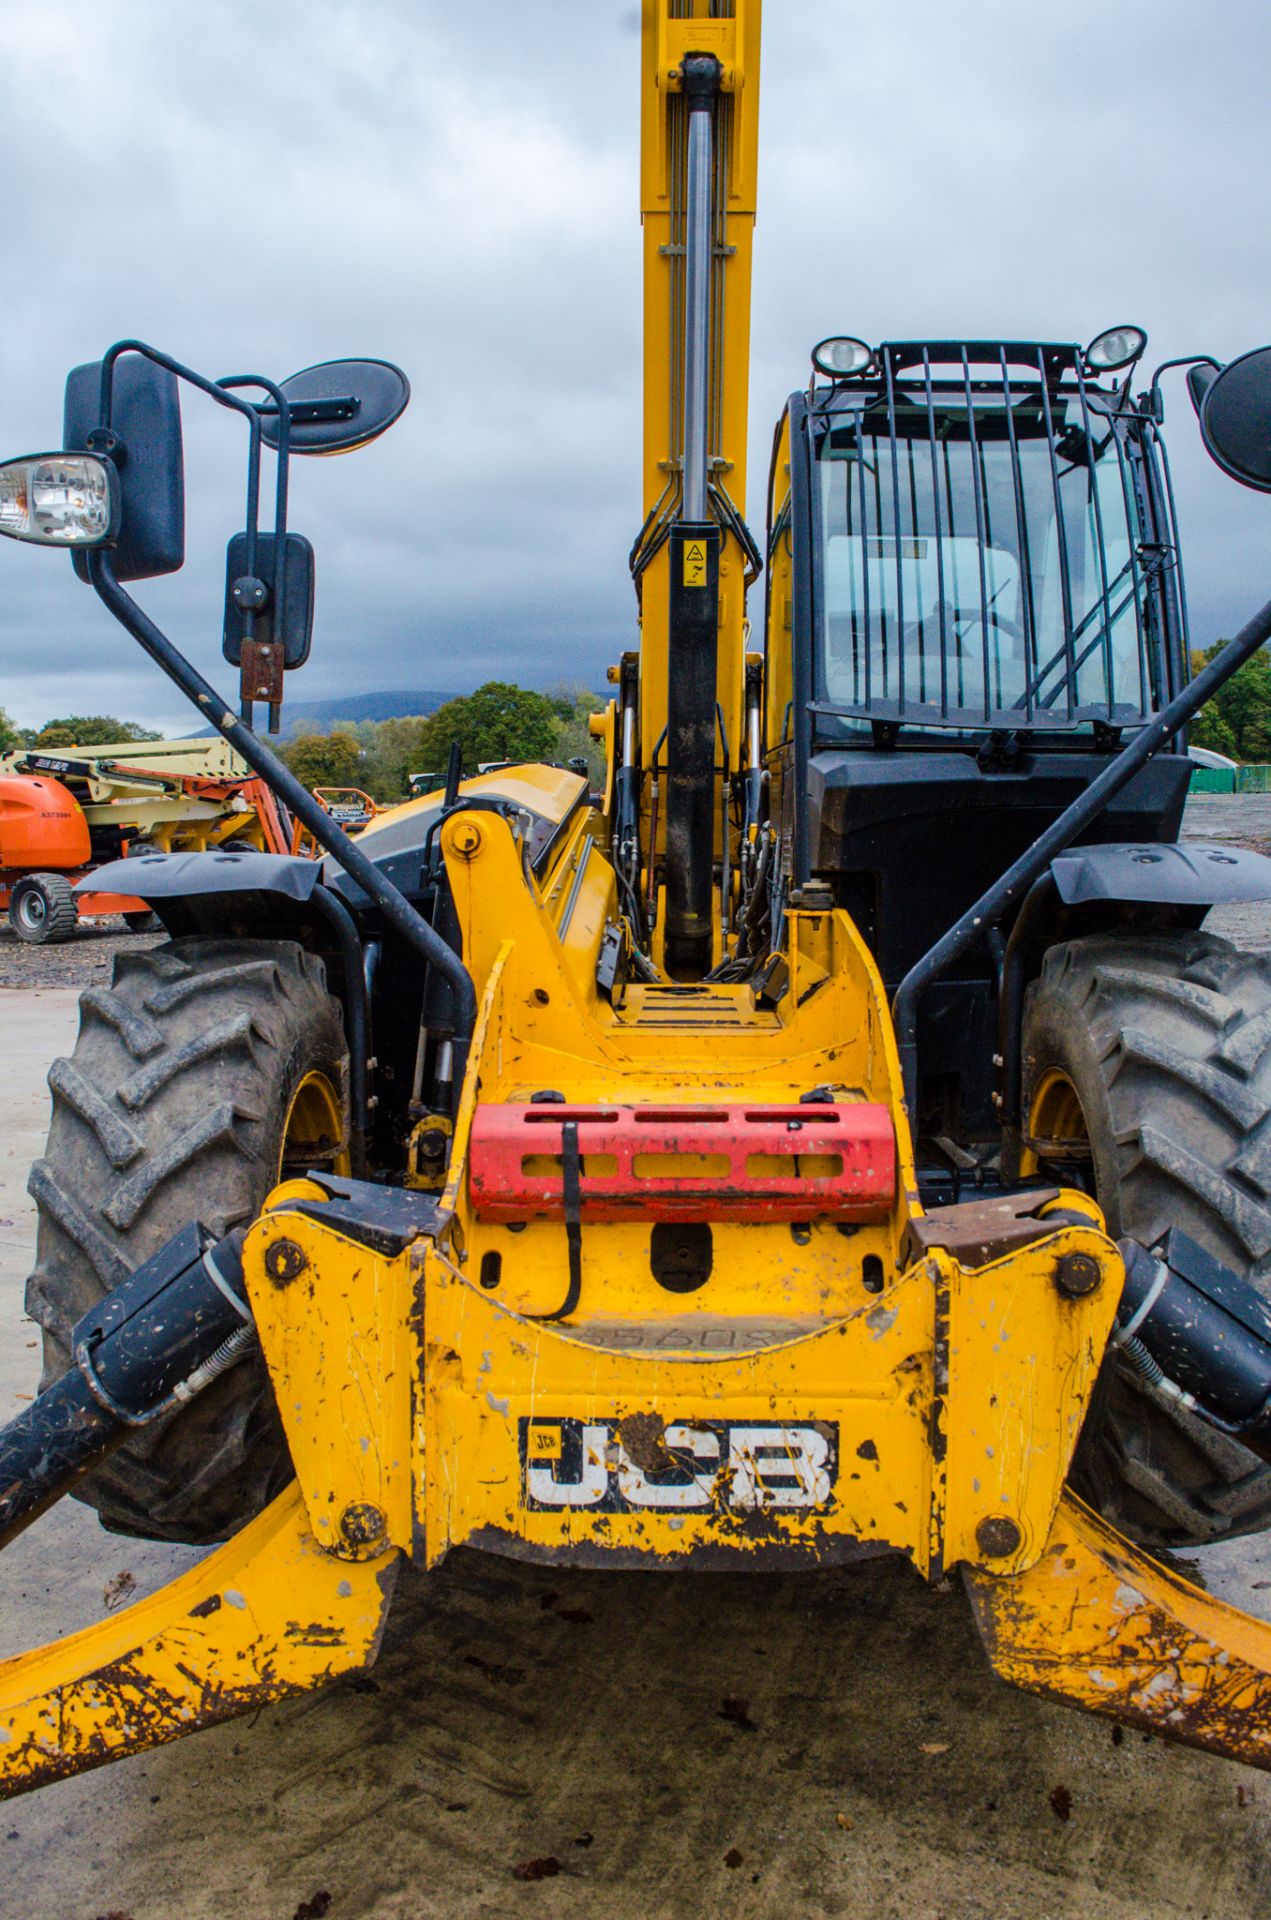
[(544, 1443), (695, 564)]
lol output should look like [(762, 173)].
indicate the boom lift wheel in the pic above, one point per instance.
[(1147, 1061), (206, 1072), (42, 909)]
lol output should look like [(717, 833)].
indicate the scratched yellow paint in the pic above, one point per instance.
[(1099, 1624), (337, 1340), (266, 1615)]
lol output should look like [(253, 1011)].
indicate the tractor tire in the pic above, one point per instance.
[(42, 909), (146, 922), (207, 1071), (1147, 1074)]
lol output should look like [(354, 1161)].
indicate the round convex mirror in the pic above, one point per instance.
[(1235, 419), (339, 405)]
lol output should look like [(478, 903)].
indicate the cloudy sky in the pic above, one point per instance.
[(256, 188)]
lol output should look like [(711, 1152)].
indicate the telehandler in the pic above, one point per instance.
[(841, 1139)]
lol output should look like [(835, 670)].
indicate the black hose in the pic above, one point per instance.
[(54, 1441)]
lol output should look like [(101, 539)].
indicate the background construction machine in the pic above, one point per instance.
[(65, 812), (841, 1139)]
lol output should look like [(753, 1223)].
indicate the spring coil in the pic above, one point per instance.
[(1140, 1359), (231, 1350)]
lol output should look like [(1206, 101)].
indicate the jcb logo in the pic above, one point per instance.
[(634, 1464)]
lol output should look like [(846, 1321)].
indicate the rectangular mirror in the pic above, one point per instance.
[(297, 612), (146, 418)]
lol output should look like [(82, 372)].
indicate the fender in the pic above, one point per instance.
[(163, 877), (1192, 877), (268, 896), (1191, 874)]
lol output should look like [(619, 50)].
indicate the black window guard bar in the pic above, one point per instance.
[(1006, 892), (904, 506)]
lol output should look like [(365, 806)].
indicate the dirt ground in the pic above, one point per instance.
[(82, 961), (759, 1746)]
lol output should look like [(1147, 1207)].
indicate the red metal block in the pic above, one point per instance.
[(737, 1162)]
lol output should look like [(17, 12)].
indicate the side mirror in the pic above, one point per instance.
[(145, 444), (339, 405), (1235, 416), (250, 593)]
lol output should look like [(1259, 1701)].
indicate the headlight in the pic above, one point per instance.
[(840, 357), (59, 499), (1113, 349)]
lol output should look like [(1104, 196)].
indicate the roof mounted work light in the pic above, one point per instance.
[(59, 499), (841, 357), (1114, 348)]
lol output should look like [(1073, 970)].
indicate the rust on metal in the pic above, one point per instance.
[(1098, 1624), (978, 1231), (285, 1261), (362, 1524), (1077, 1274), (997, 1536)]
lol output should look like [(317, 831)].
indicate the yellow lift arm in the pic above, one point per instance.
[(683, 728)]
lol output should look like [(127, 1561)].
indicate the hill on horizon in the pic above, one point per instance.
[(322, 715)]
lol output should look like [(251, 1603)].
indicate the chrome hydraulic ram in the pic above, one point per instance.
[(694, 568)]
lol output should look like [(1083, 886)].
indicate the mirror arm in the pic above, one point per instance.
[(1155, 398), (397, 910), (278, 588)]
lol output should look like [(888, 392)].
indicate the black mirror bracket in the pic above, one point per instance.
[(331, 408)]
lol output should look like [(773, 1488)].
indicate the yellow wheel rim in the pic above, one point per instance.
[(1056, 1127), (314, 1132)]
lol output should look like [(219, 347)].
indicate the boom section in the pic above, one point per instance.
[(684, 722)]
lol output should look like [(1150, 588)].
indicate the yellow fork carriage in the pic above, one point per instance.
[(628, 1178)]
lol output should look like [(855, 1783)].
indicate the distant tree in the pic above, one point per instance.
[(392, 750), (497, 722), (90, 730), (1237, 721), (10, 736), (1209, 729), (326, 759), (574, 706)]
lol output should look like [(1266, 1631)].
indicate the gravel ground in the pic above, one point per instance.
[(85, 960)]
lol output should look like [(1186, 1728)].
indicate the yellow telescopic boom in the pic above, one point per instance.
[(694, 558)]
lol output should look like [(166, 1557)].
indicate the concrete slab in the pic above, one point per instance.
[(770, 1745)]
